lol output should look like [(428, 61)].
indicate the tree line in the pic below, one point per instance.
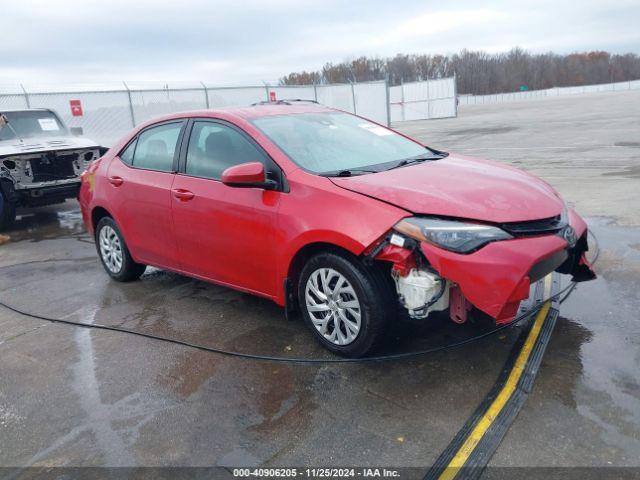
[(481, 73)]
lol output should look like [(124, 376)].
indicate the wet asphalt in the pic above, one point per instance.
[(77, 397), (72, 396)]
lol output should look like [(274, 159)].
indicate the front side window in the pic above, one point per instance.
[(214, 147), (156, 147), (334, 141)]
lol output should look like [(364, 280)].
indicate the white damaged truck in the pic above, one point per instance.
[(40, 160)]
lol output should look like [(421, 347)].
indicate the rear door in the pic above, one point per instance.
[(140, 193), (224, 234)]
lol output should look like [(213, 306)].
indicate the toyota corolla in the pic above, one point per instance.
[(328, 214)]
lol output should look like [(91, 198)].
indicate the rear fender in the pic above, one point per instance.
[(88, 196)]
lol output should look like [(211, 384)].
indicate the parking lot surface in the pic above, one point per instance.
[(72, 396)]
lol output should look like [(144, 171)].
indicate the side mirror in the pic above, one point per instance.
[(247, 175), (76, 131)]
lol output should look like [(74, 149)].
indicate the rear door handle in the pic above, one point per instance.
[(116, 181), (183, 195)]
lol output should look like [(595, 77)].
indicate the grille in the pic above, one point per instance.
[(53, 166), (545, 226)]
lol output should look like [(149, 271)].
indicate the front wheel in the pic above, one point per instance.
[(114, 254), (345, 304)]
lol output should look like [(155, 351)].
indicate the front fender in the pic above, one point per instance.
[(317, 211), (314, 237), (323, 236)]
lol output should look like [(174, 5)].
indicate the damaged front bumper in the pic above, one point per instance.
[(498, 276)]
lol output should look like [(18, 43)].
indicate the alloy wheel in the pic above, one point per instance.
[(333, 306), (110, 249)]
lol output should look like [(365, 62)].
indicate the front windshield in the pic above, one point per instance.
[(334, 141), (31, 123)]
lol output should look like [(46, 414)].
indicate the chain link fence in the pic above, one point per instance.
[(112, 110), (423, 100)]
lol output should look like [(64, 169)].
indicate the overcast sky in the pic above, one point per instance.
[(229, 42)]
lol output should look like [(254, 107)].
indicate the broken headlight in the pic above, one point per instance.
[(459, 237)]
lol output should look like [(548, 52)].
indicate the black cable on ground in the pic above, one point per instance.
[(396, 356)]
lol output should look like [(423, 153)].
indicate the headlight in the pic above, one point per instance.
[(460, 237)]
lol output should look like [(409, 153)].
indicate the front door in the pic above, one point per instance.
[(223, 233)]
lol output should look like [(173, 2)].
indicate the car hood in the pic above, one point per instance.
[(463, 187), (43, 144)]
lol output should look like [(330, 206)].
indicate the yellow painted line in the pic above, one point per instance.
[(458, 461)]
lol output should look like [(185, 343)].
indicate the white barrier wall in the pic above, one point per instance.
[(550, 92), (110, 113), (423, 100)]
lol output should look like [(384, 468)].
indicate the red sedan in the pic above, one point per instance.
[(328, 214)]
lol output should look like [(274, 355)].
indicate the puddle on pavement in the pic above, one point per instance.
[(603, 315), (46, 223)]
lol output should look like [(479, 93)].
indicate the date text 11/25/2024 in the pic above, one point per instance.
[(316, 472)]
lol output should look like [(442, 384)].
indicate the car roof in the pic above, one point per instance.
[(250, 112), (277, 108)]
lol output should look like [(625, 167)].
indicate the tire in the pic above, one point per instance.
[(7, 213), (114, 254), (361, 327)]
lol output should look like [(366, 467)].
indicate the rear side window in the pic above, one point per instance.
[(156, 147), (214, 147)]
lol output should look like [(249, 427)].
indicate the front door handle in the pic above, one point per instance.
[(116, 181), (183, 195)]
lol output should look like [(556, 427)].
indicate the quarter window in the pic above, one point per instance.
[(214, 147), (127, 155), (156, 147)]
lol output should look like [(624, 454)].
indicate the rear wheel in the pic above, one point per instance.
[(345, 304), (114, 254)]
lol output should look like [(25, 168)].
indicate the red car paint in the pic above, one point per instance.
[(403, 259), (461, 187), (247, 238), (502, 265), (244, 173)]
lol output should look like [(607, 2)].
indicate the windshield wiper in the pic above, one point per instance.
[(350, 172), (417, 159), (347, 173)]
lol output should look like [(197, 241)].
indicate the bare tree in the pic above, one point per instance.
[(479, 72)]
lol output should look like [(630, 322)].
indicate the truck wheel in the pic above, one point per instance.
[(345, 304), (7, 213), (114, 254)]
